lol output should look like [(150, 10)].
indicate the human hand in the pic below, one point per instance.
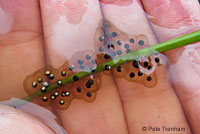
[(34, 34)]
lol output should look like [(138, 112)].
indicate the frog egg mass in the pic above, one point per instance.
[(110, 43)]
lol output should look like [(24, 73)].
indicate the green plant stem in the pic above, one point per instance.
[(159, 48)]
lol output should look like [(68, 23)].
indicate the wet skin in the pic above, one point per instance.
[(32, 37)]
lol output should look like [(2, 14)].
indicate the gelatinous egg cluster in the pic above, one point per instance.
[(82, 61), (110, 43), (132, 72), (110, 40), (61, 97)]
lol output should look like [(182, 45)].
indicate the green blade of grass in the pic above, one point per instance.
[(159, 48)]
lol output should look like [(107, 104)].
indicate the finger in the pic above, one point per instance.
[(14, 121), (184, 65), (180, 14), (21, 50), (69, 29), (144, 107)]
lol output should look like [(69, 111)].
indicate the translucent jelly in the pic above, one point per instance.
[(112, 43), (83, 60), (61, 97)]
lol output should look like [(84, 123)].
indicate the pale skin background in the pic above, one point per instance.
[(34, 33)]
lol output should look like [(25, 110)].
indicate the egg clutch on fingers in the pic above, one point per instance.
[(110, 43)]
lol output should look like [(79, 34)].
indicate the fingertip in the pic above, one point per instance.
[(13, 120)]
